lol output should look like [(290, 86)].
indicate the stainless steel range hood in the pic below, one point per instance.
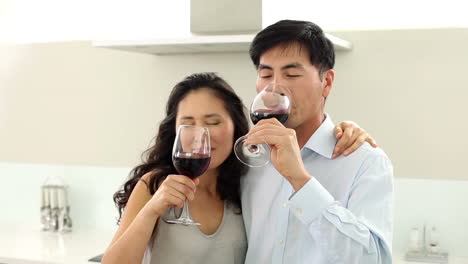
[(217, 26)]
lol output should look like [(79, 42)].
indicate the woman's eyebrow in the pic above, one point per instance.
[(205, 116), (212, 115)]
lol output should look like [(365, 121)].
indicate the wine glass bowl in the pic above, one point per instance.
[(191, 156), (274, 101)]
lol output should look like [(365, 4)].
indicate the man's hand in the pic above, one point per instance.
[(285, 152)]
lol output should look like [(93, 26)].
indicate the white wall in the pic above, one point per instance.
[(409, 89), (90, 191), (439, 203), (74, 104)]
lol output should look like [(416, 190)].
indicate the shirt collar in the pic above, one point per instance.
[(323, 140)]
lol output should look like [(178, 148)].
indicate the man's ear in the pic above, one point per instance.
[(328, 78)]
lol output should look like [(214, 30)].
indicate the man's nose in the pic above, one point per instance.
[(277, 86), (278, 80)]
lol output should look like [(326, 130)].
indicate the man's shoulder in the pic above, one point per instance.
[(366, 151), (372, 159)]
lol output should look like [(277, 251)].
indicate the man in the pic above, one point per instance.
[(307, 206)]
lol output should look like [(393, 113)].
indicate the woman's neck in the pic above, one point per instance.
[(208, 182)]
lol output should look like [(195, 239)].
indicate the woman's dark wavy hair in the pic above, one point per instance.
[(158, 158)]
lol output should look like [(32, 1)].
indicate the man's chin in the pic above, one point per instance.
[(290, 123)]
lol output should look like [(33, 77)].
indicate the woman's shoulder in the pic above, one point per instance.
[(142, 191), (147, 177)]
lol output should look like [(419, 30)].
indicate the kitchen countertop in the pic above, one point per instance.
[(29, 245), (400, 259), (26, 244)]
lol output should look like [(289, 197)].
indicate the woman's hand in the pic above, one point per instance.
[(350, 137), (173, 191)]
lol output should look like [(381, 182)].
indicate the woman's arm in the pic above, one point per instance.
[(141, 214)]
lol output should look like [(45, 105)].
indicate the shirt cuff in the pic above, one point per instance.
[(310, 201)]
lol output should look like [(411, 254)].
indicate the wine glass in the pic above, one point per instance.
[(191, 157), (272, 102)]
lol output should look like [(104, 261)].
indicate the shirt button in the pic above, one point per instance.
[(299, 212), (280, 242)]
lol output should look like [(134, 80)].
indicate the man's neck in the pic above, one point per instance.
[(308, 128)]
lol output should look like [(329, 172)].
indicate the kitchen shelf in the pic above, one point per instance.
[(197, 44)]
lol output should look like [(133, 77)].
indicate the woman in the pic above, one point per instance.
[(202, 99)]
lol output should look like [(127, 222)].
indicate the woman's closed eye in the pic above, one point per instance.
[(188, 122), (213, 123)]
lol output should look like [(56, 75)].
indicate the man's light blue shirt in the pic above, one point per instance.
[(342, 215)]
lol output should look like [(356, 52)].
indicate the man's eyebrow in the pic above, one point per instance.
[(296, 65), (264, 67), (292, 65)]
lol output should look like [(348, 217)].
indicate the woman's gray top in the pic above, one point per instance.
[(174, 244)]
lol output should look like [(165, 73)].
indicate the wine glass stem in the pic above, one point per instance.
[(185, 211)]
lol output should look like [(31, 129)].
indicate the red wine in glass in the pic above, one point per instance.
[(274, 101), (260, 114), (191, 156), (190, 164)]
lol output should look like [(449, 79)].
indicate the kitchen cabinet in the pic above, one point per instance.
[(198, 44)]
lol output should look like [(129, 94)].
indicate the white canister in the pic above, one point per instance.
[(414, 244)]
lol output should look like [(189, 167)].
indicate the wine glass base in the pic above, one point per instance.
[(254, 163), (183, 221), (254, 156)]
